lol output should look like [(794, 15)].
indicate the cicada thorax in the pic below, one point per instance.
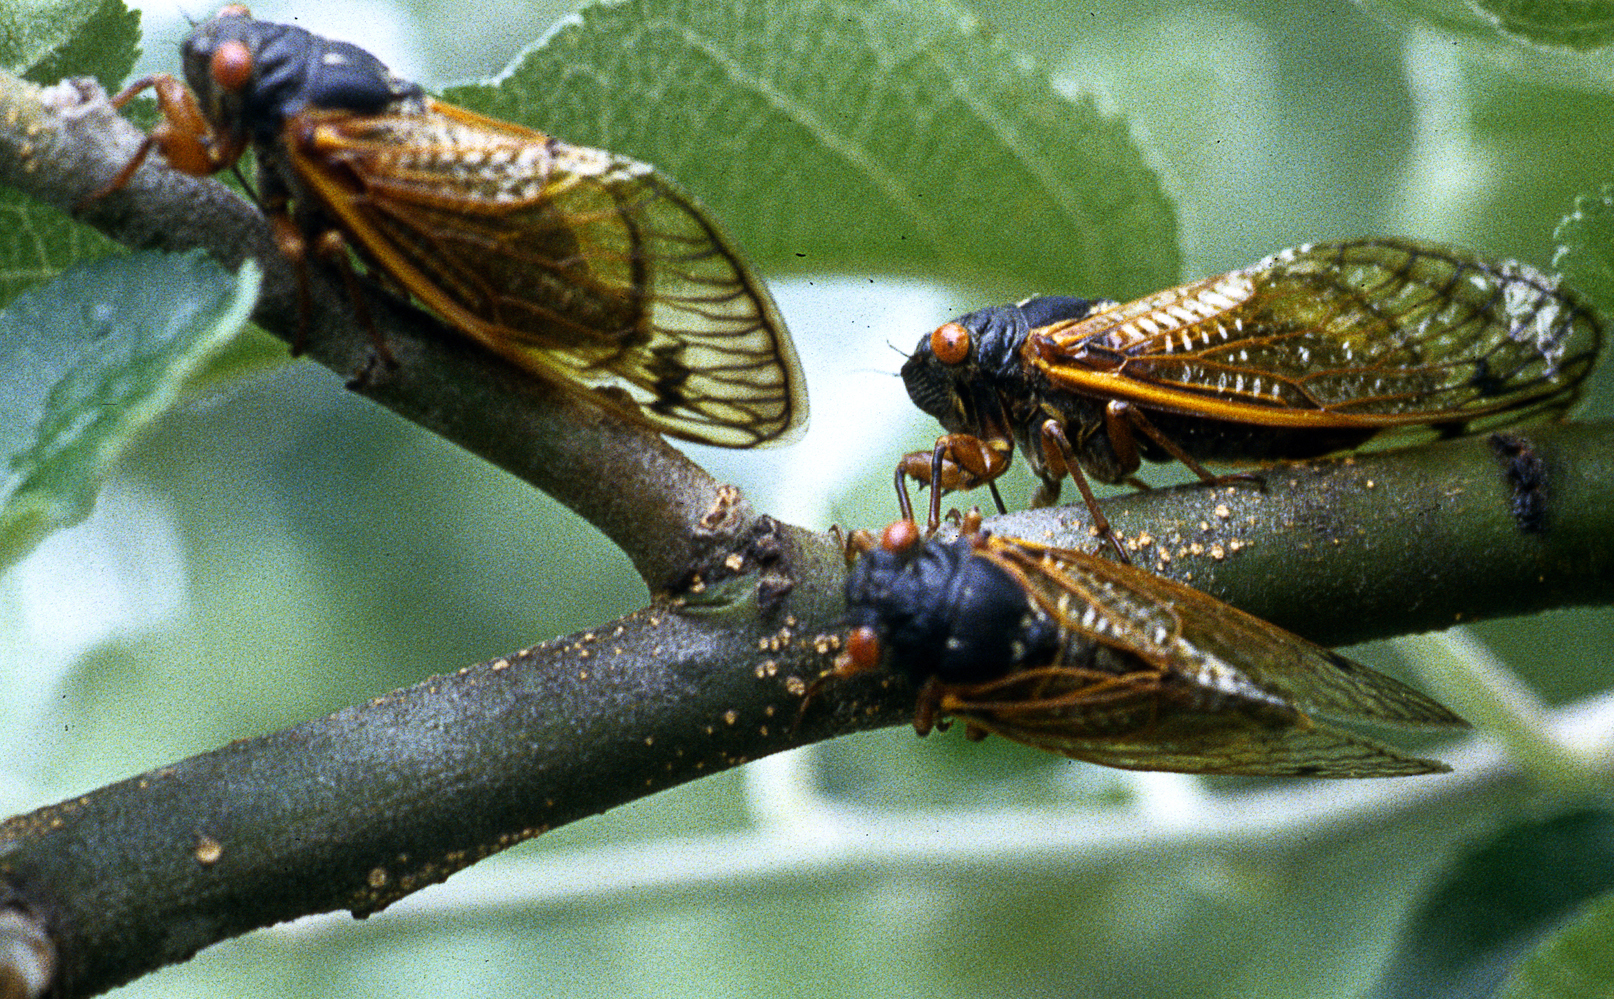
[(1103, 662), (943, 612)]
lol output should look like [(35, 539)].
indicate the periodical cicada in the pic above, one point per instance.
[(1107, 663), (1312, 350), (580, 266)]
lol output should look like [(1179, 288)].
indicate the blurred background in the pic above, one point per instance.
[(280, 549)]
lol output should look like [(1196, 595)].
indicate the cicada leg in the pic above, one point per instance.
[(1122, 418), (853, 543), (927, 706), (860, 654), (1058, 456), (329, 246), (183, 136), (958, 461)]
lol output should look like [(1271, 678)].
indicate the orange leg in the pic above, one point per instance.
[(929, 703), (958, 461), (184, 136), (1121, 418), (1057, 453)]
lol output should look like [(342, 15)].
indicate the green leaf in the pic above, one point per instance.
[(1454, 17), (1575, 962), (105, 46), (900, 139), (1577, 24), (1585, 254), (1496, 903), (37, 242), (87, 362), (30, 30)]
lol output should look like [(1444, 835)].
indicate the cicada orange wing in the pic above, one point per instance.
[(580, 265), (1372, 334), (1226, 693)]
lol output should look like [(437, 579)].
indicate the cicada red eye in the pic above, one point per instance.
[(862, 652), (231, 66), (1106, 663), (900, 535), (950, 343)]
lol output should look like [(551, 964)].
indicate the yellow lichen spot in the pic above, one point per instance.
[(1223, 511), (1217, 552), (795, 685), (377, 877), (1203, 526), (208, 851), (734, 562), (1196, 549), (649, 740), (1370, 483), (768, 711), (500, 664), (730, 716), (582, 674), (1235, 545)]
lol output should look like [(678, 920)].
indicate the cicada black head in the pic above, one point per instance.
[(939, 611), (251, 75), (961, 359)]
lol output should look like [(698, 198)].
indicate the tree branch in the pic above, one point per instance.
[(358, 809)]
